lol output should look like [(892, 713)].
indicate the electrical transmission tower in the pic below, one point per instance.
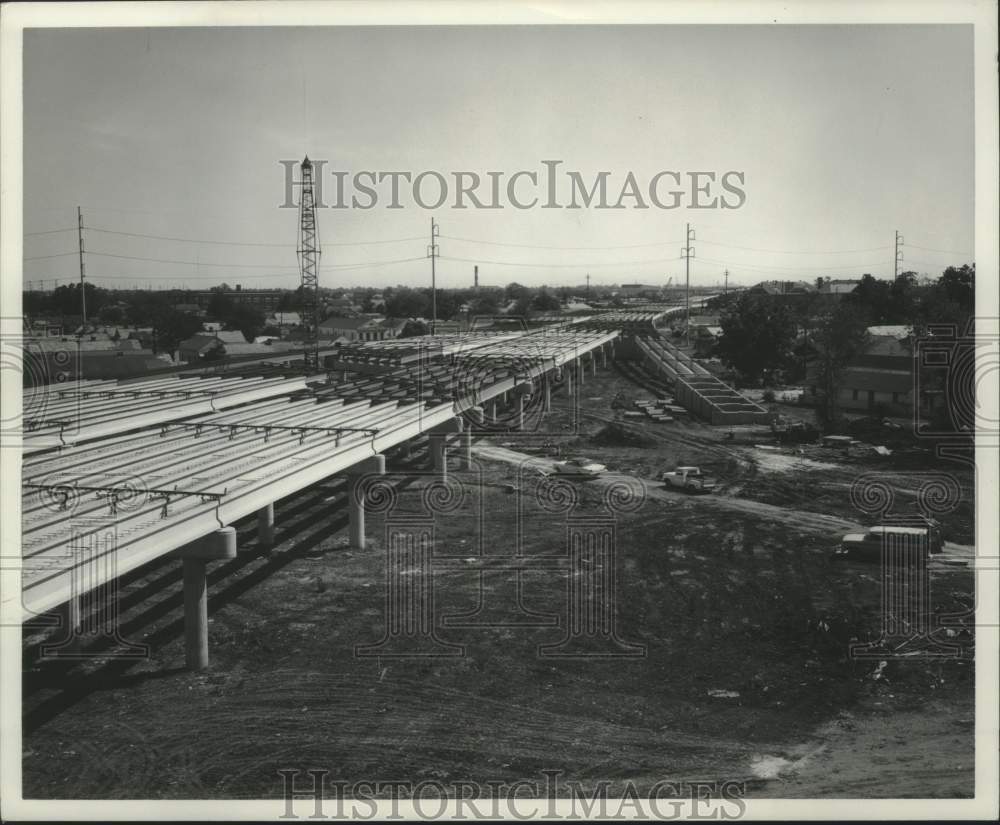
[(309, 252), (899, 256)]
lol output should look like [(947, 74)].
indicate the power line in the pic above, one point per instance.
[(189, 277), (792, 251), (243, 243), (765, 267), (59, 255), (568, 248), (555, 266), (237, 266), (945, 251), (49, 232)]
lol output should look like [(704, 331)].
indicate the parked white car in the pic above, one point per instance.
[(579, 467)]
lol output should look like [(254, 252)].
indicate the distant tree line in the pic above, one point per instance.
[(765, 336)]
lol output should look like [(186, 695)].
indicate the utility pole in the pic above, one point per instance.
[(83, 291), (309, 253), (432, 253), (899, 256), (588, 286), (725, 289), (687, 253)]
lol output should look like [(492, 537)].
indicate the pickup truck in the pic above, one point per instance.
[(867, 546), (579, 467), (689, 479)]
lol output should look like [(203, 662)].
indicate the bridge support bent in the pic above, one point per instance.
[(356, 498), (265, 525), (195, 557)]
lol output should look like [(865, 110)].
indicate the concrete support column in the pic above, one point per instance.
[(265, 525), (356, 498), (604, 356), (439, 444), (521, 401), (195, 613), (466, 454), (493, 412), (580, 371), (71, 619), (195, 557), (593, 363), (568, 372), (546, 394), (439, 454), (475, 417)]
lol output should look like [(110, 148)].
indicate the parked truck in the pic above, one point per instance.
[(868, 546), (688, 479)]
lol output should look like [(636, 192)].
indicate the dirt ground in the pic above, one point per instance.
[(744, 621)]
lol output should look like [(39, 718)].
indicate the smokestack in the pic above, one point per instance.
[(475, 276)]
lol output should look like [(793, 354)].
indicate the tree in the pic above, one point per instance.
[(515, 291), (66, 299), (839, 337), (447, 304), (407, 303), (220, 305), (170, 327), (757, 336), (111, 314), (485, 305), (413, 328), (545, 301), (247, 319), (872, 297), (957, 285)]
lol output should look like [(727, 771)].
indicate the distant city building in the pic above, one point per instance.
[(266, 300), (634, 290), (286, 319), (838, 288), (783, 288)]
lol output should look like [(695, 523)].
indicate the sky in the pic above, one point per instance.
[(843, 135)]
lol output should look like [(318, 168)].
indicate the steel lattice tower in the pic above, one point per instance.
[(308, 251)]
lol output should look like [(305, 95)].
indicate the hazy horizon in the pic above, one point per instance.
[(844, 134)]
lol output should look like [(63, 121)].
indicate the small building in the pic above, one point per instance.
[(201, 347), (191, 309), (361, 329), (837, 288), (283, 318), (881, 380)]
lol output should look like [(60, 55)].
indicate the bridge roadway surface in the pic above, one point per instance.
[(159, 464)]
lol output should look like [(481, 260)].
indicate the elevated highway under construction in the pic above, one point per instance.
[(115, 476)]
